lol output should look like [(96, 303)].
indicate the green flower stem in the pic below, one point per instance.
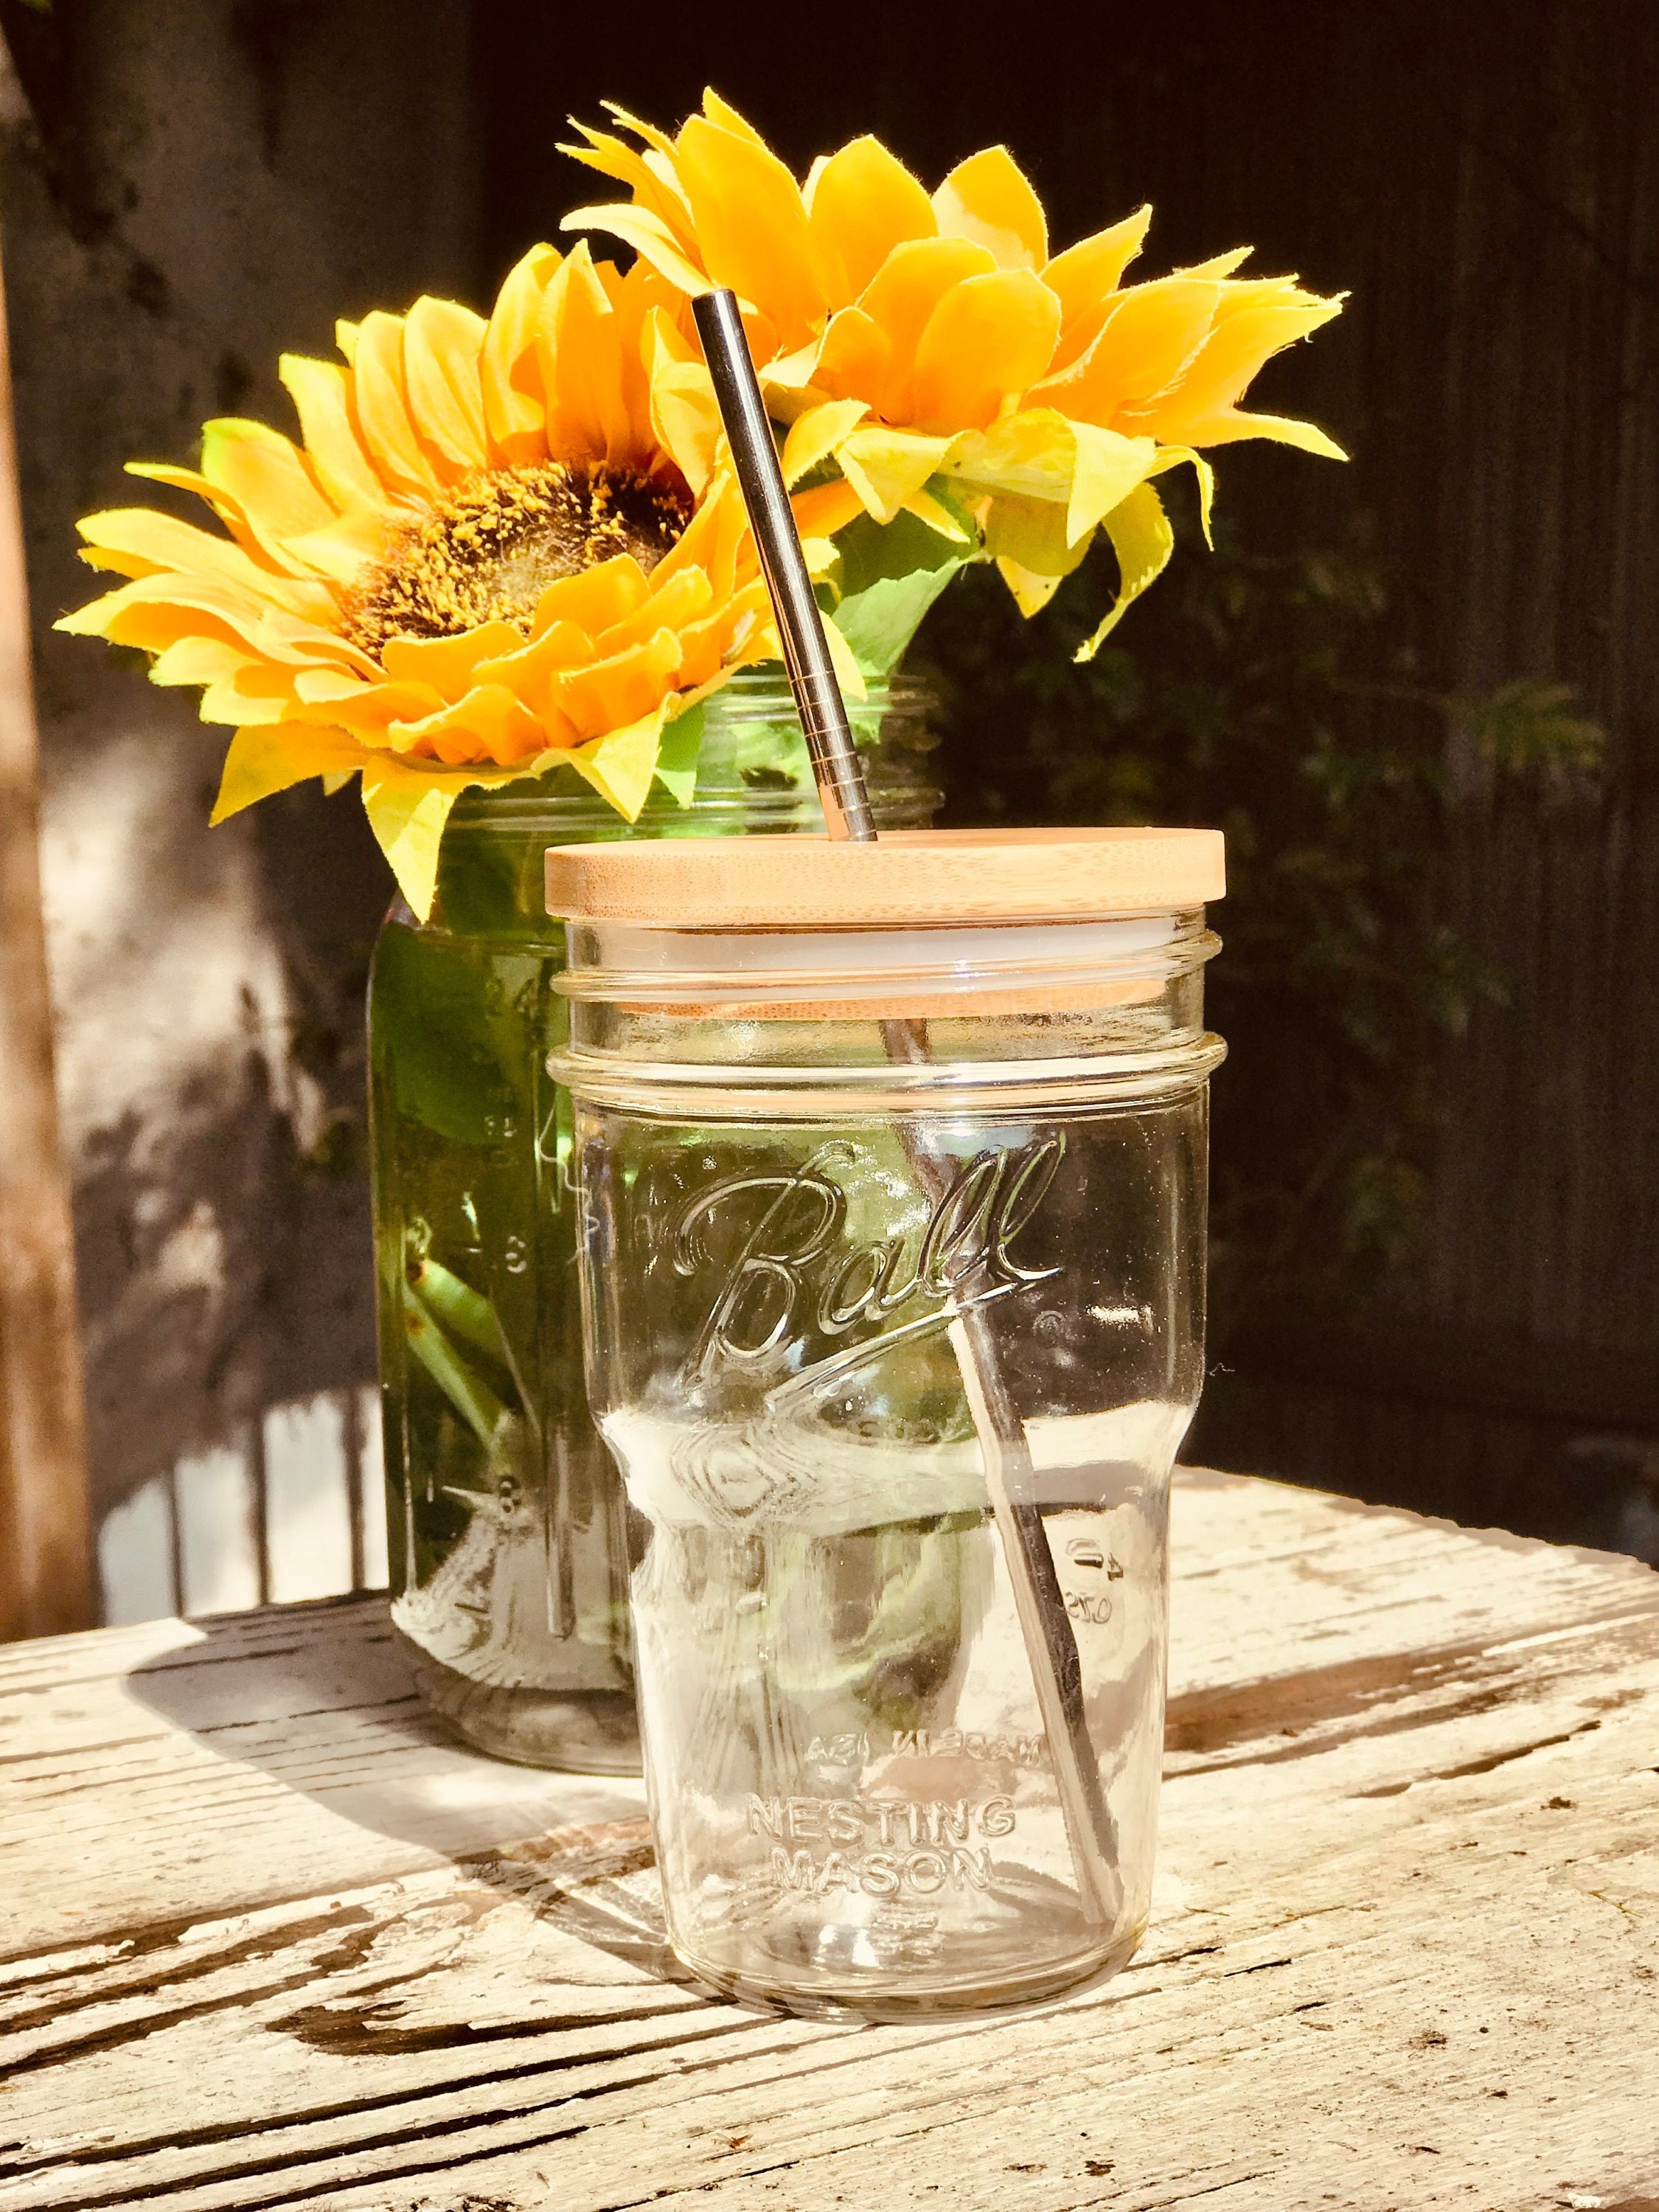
[(462, 1311), (474, 1400), (919, 1611)]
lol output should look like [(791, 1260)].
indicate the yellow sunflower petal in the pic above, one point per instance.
[(1250, 325), (650, 178), (264, 760), (705, 645), (853, 359), (751, 225), (594, 599), (151, 612), (489, 723), (369, 712), (381, 405), (240, 688), (407, 809), (885, 467), (989, 198), (613, 694), (686, 595), (787, 377), (848, 674), (321, 395), (1220, 265), (347, 544), (913, 280), (685, 413), (267, 475), (256, 534), (133, 615), (648, 235), (252, 694), (585, 370), (139, 542), (446, 662), (722, 112), (199, 659), (442, 344), (1176, 457), (622, 765), (1032, 451), (190, 480), (1027, 539), (1150, 335), (860, 204), (1143, 540), (817, 433), (1227, 428), (509, 367), (229, 511), (1085, 277), (642, 304), (343, 687), (1107, 469), (658, 141), (988, 338), (828, 508), (1031, 591), (712, 540), (527, 670), (935, 514)]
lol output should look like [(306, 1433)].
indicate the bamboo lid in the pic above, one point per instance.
[(918, 878)]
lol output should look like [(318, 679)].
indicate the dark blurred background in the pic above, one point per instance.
[(1419, 692)]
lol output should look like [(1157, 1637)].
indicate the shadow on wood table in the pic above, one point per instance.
[(318, 1698), (274, 1945)]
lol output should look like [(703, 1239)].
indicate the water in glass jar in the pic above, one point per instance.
[(851, 1790)]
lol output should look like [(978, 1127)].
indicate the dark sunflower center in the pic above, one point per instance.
[(490, 550)]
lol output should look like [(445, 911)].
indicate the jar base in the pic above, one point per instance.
[(570, 1731), (901, 2003)]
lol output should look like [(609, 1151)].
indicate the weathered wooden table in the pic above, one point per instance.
[(272, 1942)]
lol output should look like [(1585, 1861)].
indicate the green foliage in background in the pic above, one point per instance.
[(1270, 697)]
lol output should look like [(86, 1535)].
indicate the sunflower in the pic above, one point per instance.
[(501, 546), (911, 341)]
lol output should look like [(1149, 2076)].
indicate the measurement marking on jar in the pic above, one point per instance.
[(1084, 1552), (1097, 1610)]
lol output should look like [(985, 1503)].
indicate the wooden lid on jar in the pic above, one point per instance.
[(918, 878)]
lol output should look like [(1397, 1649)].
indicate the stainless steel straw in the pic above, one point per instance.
[(1050, 1644)]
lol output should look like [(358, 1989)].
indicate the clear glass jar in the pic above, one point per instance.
[(509, 1562), (893, 1269)]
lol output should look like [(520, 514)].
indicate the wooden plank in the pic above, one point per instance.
[(46, 1555), (274, 1943)]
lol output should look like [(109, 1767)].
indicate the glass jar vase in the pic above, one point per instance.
[(891, 1161), (509, 1557)]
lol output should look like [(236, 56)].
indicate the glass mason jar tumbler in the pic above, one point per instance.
[(891, 1161), (508, 1557)]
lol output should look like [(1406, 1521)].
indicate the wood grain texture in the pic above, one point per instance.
[(909, 877), (272, 1943), (45, 1546)]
